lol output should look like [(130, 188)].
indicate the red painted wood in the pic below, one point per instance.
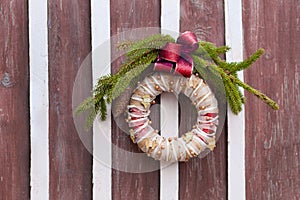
[(203, 178), (126, 15), (69, 44), (14, 103), (272, 137)]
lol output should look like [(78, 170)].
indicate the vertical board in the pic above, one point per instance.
[(69, 44), (126, 15), (14, 105), (204, 178), (236, 123), (39, 100), (272, 137), (169, 175), (100, 25)]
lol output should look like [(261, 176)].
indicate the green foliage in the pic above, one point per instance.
[(129, 76), (139, 56), (246, 63), (228, 72), (141, 47), (207, 62)]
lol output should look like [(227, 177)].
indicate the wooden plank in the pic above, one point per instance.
[(69, 44), (39, 100), (126, 15), (169, 176), (203, 178), (236, 123), (272, 137), (102, 172), (14, 104)]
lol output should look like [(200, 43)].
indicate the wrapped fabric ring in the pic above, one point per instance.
[(202, 135)]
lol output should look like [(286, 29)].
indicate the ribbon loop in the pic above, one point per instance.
[(171, 52), (175, 57), (189, 40)]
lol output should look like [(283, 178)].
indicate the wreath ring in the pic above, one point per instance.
[(202, 136)]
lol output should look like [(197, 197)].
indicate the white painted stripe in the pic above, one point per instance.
[(169, 176), (236, 123), (100, 19), (39, 102)]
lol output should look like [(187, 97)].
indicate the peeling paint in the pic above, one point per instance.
[(12, 13), (60, 5)]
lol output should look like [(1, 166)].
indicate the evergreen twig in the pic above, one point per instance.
[(257, 93), (248, 62)]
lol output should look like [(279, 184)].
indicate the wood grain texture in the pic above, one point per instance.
[(14, 103), (69, 44), (203, 178), (126, 15), (272, 137)]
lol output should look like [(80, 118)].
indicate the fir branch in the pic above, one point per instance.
[(212, 51), (138, 48), (238, 82), (103, 110), (132, 63), (234, 105), (228, 73), (234, 96), (153, 42), (128, 77), (206, 71), (202, 51), (222, 50), (131, 69), (248, 62), (141, 55), (257, 93)]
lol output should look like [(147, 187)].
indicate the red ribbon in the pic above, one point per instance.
[(175, 57)]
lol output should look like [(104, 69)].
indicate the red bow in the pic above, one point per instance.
[(175, 57)]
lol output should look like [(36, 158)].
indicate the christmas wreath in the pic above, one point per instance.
[(192, 143), (181, 66)]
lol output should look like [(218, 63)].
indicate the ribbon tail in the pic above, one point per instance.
[(184, 66)]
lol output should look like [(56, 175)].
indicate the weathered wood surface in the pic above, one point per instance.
[(204, 178), (69, 44), (14, 101), (126, 15), (273, 137)]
